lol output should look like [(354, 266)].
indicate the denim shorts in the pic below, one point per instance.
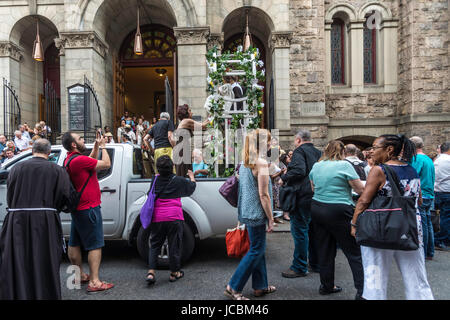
[(87, 229)]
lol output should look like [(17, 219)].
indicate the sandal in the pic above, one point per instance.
[(234, 295), (86, 280), (260, 293), (151, 280), (176, 276), (103, 287)]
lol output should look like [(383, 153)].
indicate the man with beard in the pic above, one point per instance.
[(87, 225), (31, 242)]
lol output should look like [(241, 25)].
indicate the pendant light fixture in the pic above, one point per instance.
[(247, 41), (38, 52), (138, 48)]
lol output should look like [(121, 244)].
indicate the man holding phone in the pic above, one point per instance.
[(87, 225)]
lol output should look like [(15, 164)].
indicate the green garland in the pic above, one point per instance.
[(218, 67)]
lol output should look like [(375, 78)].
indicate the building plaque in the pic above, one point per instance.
[(76, 107)]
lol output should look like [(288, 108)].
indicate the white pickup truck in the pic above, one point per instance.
[(124, 191)]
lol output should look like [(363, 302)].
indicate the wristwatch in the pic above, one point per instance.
[(353, 225)]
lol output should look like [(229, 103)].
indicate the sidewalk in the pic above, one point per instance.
[(282, 227)]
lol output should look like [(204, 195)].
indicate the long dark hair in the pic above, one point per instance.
[(183, 112), (400, 143)]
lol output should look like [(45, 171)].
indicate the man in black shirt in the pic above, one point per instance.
[(162, 134)]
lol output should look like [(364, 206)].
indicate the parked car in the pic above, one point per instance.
[(124, 191)]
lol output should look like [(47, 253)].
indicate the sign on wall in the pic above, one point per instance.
[(76, 107)]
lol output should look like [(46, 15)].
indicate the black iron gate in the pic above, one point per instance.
[(11, 110), (52, 112), (92, 114)]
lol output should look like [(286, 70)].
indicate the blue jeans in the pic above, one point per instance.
[(427, 227), (253, 263), (299, 229), (442, 201)]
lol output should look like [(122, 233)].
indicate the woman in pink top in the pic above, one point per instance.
[(167, 221)]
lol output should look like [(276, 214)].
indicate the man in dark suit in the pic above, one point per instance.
[(297, 175)]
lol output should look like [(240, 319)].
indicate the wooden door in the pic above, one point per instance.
[(119, 94)]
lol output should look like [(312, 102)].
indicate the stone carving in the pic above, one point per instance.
[(281, 39), (9, 49), (215, 39), (192, 36), (78, 40)]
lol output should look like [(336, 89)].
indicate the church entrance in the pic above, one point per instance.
[(145, 84)]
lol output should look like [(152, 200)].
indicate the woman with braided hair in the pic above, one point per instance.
[(395, 151)]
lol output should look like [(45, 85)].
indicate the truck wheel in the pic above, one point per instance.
[(187, 246)]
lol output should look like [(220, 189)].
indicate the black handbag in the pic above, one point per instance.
[(389, 222), (288, 198)]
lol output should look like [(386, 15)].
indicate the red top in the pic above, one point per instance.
[(79, 170)]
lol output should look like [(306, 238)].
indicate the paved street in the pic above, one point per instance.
[(210, 269)]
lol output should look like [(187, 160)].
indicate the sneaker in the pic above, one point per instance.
[(292, 274), (441, 247)]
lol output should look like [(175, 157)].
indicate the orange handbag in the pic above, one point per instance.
[(238, 242)]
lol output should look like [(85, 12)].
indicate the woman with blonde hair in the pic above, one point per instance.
[(255, 211), (332, 180)]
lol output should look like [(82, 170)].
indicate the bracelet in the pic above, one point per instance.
[(353, 225)]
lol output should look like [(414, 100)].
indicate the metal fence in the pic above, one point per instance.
[(11, 110), (92, 114)]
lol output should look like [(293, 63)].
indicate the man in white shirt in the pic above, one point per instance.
[(21, 143), (351, 152), (25, 133), (442, 197)]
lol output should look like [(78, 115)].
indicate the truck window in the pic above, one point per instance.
[(53, 157), (138, 165)]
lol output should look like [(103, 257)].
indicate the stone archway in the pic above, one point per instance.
[(29, 76), (362, 142)]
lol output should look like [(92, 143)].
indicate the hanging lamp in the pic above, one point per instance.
[(247, 41), (138, 49), (38, 52)]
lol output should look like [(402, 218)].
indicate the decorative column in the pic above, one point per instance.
[(215, 39), (192, 70), (84, 54), (280, 45), (389, 54), (10, 57), (355, 58)]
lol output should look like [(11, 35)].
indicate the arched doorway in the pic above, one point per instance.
[(32, 75), (261, 27), (362, 142), (144, 75)]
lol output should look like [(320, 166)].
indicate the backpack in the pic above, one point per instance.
[(74, 197), (359, 168)]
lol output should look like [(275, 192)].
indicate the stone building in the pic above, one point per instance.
[(349, 70)]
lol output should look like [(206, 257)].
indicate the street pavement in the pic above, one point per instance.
[(209, 270)]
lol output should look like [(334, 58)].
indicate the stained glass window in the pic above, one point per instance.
[(337, 52), (370, 51), (157, 43)]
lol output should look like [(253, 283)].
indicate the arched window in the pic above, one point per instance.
[(337, 51), (370, 52), (158, 43)]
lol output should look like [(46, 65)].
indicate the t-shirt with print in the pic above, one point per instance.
[(79, 170), (330, 179), (199, 166), (159, 133)]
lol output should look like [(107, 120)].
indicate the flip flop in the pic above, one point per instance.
[(234, 295), (152, 280), (269, 289), (174, 277), (105, 286)]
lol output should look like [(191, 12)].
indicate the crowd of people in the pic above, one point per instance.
[(332, 188), (24, 137)]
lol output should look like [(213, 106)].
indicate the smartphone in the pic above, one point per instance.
[(99, 133)]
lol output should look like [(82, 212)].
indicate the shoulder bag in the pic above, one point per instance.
[(389, 222)]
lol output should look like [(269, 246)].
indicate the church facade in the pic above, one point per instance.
[(349, 70)]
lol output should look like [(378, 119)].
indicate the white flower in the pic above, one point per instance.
[(261, 63), (239, 48), (263, 71)]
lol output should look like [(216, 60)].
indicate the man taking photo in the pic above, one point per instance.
[(87, 225)]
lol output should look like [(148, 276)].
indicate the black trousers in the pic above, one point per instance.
[(173, 231), (331, 227)]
